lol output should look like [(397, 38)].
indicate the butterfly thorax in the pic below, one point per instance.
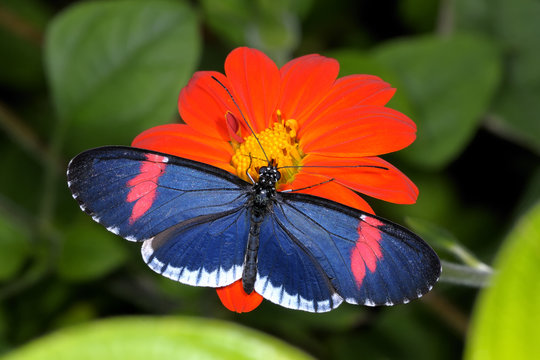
[(265, 189), (263, 194)]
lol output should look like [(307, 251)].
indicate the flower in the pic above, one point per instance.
[(314, 126)]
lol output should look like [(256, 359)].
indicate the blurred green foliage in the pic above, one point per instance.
[(79, 74)]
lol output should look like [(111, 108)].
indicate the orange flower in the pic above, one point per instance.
[(314, 126)]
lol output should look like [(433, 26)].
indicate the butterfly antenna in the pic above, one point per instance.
[(247, 170), (326, 166), (309, 186), (333, 166), (243, 117)]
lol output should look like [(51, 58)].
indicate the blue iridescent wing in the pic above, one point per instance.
[(191, 216), (207, 251), (315, 253)]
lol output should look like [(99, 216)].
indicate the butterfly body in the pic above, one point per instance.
[(203, 226), (262, 195)]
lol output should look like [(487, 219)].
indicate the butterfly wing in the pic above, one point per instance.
[(337, 253), (288, 272), (207, 251), (191, 216)]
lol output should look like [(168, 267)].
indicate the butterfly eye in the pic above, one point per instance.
[(262, 170), (278, 175)]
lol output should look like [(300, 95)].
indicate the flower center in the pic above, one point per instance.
[(280, 146)]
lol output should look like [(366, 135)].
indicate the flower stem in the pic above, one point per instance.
[(465, 275), (445, 21), (20, 27)]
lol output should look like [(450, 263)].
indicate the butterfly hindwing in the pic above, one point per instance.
[(208, 251), (366, 259), (290, 274)]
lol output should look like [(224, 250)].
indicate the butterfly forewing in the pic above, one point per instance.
[(138, 193), (366, 259)]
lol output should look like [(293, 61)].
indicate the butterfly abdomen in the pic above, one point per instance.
[(249, 273)]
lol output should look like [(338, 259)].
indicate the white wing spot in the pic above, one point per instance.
[(369, 302), (278, 295), (130, 238), (352, 301), (114, 229), (198, 277)]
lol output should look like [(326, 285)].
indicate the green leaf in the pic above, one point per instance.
[(116, 67), (147, 338), (89, 252), (450, 83), (14, 247), (506, 315), (514, 24), (517, 107), (272, 26)]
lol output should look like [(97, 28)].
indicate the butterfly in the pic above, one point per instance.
[(203, 226)]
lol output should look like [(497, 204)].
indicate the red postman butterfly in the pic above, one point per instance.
[(203, 226)]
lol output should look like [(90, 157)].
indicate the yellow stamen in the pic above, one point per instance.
[(280, 146)]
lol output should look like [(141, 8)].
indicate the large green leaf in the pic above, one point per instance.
[(450, 83), (116, 67), (514, 24), (507, 314), (269, 25), (147, 338)]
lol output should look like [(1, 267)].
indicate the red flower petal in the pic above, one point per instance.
[(181, 140), (330, 190), (350, 91), (359, 131), (389, 185), (234, 298), (254, 81), (203, 104), (305, 82)]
